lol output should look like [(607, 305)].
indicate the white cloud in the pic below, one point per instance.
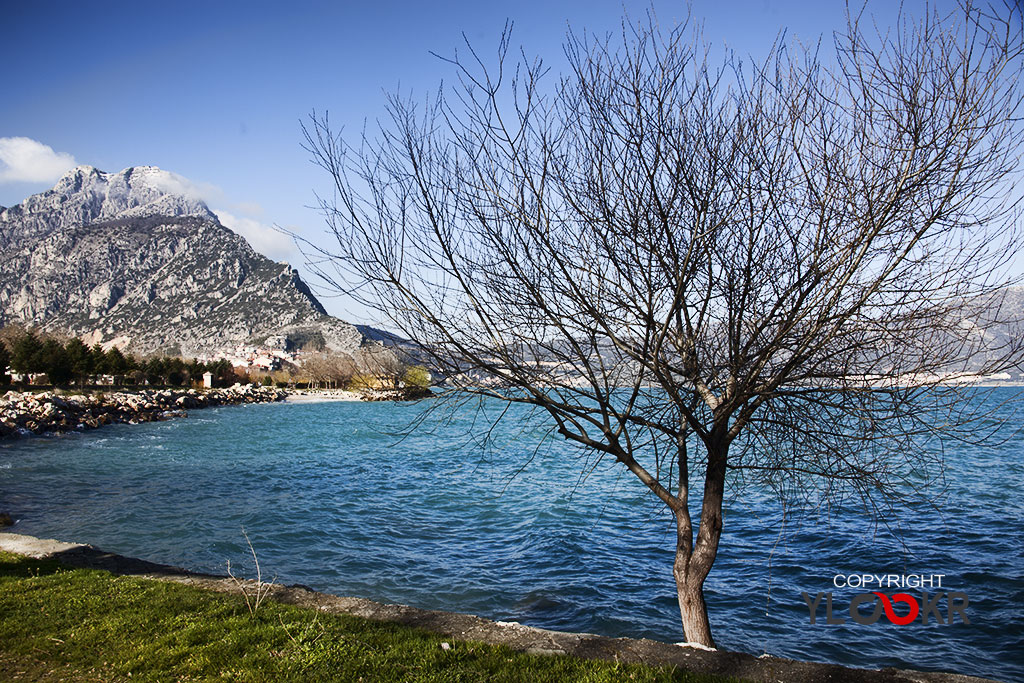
[(172, 183), (265, 239), (29, 161), (249, 208)]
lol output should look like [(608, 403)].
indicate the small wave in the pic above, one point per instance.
[(328, 502)]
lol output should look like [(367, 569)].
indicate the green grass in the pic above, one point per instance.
[(58, 623)]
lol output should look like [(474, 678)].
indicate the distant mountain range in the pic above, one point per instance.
[(129, 258)]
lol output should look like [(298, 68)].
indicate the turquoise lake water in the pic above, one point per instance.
[(332, 499)]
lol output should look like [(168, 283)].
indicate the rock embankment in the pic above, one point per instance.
[(401, 394), (39, 413)]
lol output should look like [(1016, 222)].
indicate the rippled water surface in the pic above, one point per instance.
[(331, 499)]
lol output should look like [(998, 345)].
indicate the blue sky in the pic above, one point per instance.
[(215, 91)]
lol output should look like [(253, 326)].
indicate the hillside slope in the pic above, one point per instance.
[(132, 257)]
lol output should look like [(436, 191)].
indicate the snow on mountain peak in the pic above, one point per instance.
[(134, 191)]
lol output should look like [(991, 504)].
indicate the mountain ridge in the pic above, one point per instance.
[(136, 258)]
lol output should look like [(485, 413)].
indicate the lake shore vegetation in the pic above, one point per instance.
[(89, 625)]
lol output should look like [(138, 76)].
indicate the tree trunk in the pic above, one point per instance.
[(694, 612), (690, 590), (694, 560)]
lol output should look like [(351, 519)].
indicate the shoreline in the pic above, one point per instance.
[(408, 393), (315, 396), (27, 413), (517, 636), (48, 412)]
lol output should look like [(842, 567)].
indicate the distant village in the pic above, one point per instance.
[(265, 358), (34, 358)]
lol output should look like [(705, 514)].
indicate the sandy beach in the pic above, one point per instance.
[(320, 396)]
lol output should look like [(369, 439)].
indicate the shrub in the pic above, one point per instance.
[(416, 376)]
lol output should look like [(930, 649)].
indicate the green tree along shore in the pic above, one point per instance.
[(38, 358), (73, 362)]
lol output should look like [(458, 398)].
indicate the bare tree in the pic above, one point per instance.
[(382, 367), (708, 271), (328, 370)]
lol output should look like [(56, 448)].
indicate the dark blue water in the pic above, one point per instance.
[(331, 500)]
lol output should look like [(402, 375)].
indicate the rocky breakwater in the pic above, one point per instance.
[(24, 413)]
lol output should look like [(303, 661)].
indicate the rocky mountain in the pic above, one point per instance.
[(131, 257)]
